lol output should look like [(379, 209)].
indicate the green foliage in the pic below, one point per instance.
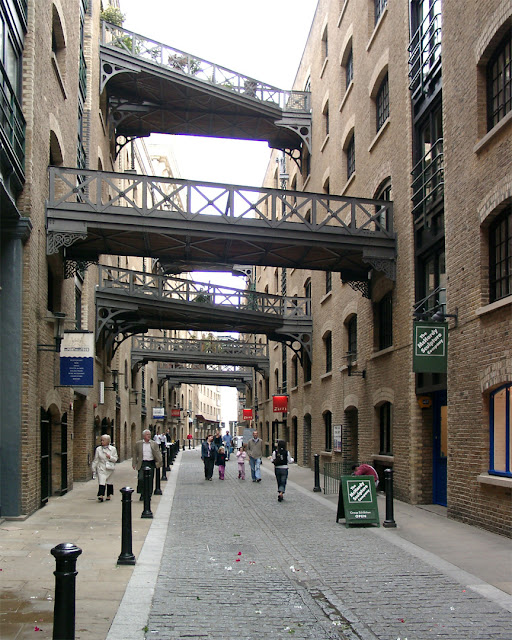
[(113, 15)]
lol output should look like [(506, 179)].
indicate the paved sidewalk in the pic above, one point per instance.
[(365, 580)]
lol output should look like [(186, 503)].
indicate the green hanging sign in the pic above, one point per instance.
[(357, 501), (430, 344)]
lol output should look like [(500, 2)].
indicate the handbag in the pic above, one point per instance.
[(109, 465)]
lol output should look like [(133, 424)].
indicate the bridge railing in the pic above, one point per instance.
[(199, 346), (210, 368), (81, 191), (162, 287), (174, 59)]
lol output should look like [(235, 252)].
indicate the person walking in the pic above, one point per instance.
[(227, 439), (241, 455), (146, 453), (281, 458), (254, 450), (366, 470), (103, 466), (220, 460), (208, 453)]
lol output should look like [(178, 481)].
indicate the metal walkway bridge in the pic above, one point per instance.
[(184, 222), (155, 88), (199, 351), (130, 302), (209, 374)]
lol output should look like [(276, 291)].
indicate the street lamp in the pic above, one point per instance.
[(58, 332)]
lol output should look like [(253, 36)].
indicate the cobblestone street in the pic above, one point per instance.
[(238, 564)]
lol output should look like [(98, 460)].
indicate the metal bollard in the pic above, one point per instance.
[(190, 440), (164, 466), (126, 556), (146, 492), (65, 574), (317, 487), (168, 458), (158, 490), (388, 487)]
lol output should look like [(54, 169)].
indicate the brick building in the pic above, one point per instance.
[(410, 102)]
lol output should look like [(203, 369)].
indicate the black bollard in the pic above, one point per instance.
[(389, 522), (164, 466), (126, 556), (146, 492), (168, 458), (317, 487), (158, 490), (65, 573), (189, 441)]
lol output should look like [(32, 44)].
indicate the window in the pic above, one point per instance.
[(328, 281), (500, 408), (380, 5), (328, 430), (328, 351), (385, 445), (384, 322), (306, 365), (326, 119), (384, 193), (349, 69), (499, 82), (351, 157), (295, 371), (352, 337), (78, 307), (382, 103), (325, 43), (500, 256)]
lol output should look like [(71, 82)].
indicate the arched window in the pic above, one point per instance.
[(499, 82), (328, 430), (500, 256), (500, 419), (328, 351), (385, 429)]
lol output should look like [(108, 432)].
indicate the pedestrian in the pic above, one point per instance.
[(220, 460), (281, 458), (366, 470), (146, 453), (217, 440), (255, 451), (208, 453), (227, 439), (241, 455), (103, 466)]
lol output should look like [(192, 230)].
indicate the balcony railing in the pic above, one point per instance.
[(182, 62), (158, 287), (428, 181), (12, 121), (82, 76), (425, 49)]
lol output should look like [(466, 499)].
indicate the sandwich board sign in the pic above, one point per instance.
[(357, 501)]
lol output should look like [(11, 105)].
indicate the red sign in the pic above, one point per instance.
[(247, 414), (175, 413), (280, 404)]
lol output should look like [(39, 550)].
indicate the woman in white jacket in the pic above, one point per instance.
[(103, 467)]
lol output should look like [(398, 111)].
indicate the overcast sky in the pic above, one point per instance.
[(247, 37)]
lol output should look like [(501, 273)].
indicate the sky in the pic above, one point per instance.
[(247, 37)]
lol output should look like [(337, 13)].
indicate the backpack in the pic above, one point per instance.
[(281, 457)]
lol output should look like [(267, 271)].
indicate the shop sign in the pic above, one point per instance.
[(430, 344), (336, 438), (175, 413), (357, 501), (77, 359), (280, 404), (158, 413), (247, 414)]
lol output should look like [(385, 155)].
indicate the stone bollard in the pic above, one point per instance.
[(146, 492), (65, 578), (317, 486), (126, 556), (389, 522)]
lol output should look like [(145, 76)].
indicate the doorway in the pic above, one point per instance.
[(440, 448), (45, 459), (64, 454)]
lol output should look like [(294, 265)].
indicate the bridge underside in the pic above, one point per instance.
[(214, 378), (143, 356), (147, 99)]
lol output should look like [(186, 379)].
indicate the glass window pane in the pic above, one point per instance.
[(499, 430)]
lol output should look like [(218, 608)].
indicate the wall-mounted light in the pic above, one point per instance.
[(440, 316), (350, 363), (58, 332), (135, 394)]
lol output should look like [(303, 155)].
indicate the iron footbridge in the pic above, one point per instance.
[(207, 374)]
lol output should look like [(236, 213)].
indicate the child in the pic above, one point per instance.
[(220, 461), (241, 455)]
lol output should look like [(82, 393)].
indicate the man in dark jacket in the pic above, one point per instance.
[(208, 453)]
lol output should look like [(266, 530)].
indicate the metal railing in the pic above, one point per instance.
[(176, 60), (160, 287), (425, 49), (428, 180), (91, 191), (332, 473), (199, 346), (12, 121)]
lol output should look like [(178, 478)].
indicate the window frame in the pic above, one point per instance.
[(502, 224), (350, 152), (507, 429), (385, 429), (379, 6), (504, 104), (327, 340), (349, 68), (385, 321), (352, 337), (382, 103), (328, 430)]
